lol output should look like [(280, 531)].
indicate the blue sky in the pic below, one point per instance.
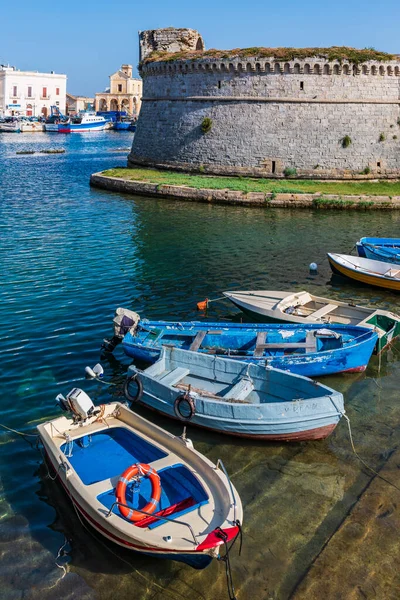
[(89, 41)]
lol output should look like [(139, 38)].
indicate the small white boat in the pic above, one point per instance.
[(302, 307), (85, 121), (140, 486), (31, 126), (10, 125)]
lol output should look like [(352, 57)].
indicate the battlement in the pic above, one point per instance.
[(311, 66)]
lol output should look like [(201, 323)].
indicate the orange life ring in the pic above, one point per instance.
[(120, 491)]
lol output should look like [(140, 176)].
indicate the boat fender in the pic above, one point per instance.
[(139, 393), (134, 472), (185, 402)]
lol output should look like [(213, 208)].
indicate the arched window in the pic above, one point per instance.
[(336, 69), (231, 67), (296, 68), (267, 68), (249, 67), (277, 68), (345, 70), (307, 68), (373, 70), (317, 69), (286, 68), (240, 67), (258, 67), (389, 70), (326, 70), (364, 70), (397, 71), (381, 70)]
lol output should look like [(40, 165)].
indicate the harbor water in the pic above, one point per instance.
[(317, 522)]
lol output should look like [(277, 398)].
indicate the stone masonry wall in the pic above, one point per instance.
[(268, 115), (168, 40)]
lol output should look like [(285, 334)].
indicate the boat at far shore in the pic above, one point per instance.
[(363, 270), (384, 249), (10, 125), (303, 307), (85, 121)]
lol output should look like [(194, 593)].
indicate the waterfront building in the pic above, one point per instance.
[(124, 93), (30, 93), (269, 112), (75, 104)]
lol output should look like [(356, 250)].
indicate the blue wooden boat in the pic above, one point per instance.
[(310, 349), (234, 397), (138, 485), (384, 249), (122, 124)]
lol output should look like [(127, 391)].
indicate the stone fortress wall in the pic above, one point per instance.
[(267, 115)]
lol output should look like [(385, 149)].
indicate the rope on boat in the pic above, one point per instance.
[(19, 432), (226, 558)]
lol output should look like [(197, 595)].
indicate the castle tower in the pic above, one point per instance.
[(269, 112), (168, 40)]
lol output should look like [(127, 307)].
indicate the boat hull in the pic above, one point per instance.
[(383, 249), (351, 357), (364, 277), (88, 458), (81, 128), (278, 406)]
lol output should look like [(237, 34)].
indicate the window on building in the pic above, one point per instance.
[(120, 87), (29, 91), (44, 92), (15, 90), (57, 91), (302, 85)]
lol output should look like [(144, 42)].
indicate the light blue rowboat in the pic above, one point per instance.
[(384, 249), (311, 350), (234, 397)]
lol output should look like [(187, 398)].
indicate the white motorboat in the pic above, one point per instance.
[(10, 125), (140, 486)]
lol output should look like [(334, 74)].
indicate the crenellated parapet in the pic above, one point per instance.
[(312, 66)]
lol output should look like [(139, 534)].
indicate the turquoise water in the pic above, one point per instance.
[(69, 255)]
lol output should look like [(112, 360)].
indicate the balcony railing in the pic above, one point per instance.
[(45, 97), (14, 96)]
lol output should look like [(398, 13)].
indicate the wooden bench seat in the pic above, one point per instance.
[(321, 312), (174, 376)]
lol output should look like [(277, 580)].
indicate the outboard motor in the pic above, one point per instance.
[(124, 320), (78, 403)]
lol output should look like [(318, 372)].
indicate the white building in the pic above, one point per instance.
[(31, 93)]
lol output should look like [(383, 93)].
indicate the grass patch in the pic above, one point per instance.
[(340, 53), (248, 184)]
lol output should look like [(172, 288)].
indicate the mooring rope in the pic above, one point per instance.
[(363, 461)]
